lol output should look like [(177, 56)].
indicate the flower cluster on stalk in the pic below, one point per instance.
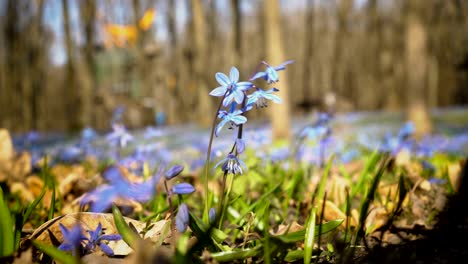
[(237, 99)]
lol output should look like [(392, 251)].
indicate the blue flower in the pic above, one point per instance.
[(119, 136), (97, 238), (231, 164), (260, 97), (119, 187), (182, 218), (173, 171), (406, 131), (230, 87), (234, 118), (183, 188), (72, 239), (271, 73)]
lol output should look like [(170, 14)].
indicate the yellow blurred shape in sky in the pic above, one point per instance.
[(121, 35), (148, 18)]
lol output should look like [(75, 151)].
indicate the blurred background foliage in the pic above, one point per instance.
[(67, 64)]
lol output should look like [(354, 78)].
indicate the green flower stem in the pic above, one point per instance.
[(206, 219), (171, 208), (225, 202)]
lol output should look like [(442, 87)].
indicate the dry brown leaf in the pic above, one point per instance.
[(6, 146)]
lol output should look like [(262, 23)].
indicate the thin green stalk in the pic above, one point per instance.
[(225, 202), (171, 208), (207, 163)]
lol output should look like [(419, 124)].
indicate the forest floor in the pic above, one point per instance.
[(415, 213)]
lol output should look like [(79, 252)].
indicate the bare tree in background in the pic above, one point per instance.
[(88, 19), (416, 66), (236, 31), (307, 102), (204, 103), (280, 113)]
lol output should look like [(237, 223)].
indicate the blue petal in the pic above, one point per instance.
[(244, 86), (238, 96), (238, 119), (110, 237), (228, 99), (282, 66), (240, 145), (222, 79), (273, 98), (212, 214), (106, 249), (183, 188), (234, 75), (220, 125), (219, 91), (174, 171), (65, 247), (258, 75), (182, 218)]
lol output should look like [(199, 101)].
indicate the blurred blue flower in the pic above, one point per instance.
[(182, 218), (88, 134), (183, 188), (234, 118), (70, 154), (117, 115), (72, 239), (406, 131), (271, 73), (240, 145), (230, 87), (259, 98), (173, 171), (101, 198), (153, 132), (97, 239), (231, 164), (212, 215), (160, 118), (119, 136)]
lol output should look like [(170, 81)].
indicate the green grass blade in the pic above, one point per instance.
[(368, 200), (6, 228), (230, 256), (323, 180), (128, 235), (294, 255), (266, 234), (55, 253), (309, 236), (33, 205), (52, 203), (297, 236), (370, 165)]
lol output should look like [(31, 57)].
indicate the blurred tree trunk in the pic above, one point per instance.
[(214, 37), (275, 55), (88, 18), (173, 79), (416, 67), (75, 100), (307, 87), (38, 67), (236, 31), (341, 35), (203, 100), (12, 91)]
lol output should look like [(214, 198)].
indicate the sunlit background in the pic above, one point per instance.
[(68, 64)]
